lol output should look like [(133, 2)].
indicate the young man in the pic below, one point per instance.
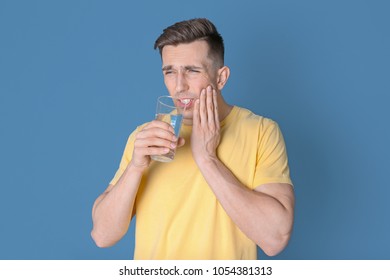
[(228, 188)]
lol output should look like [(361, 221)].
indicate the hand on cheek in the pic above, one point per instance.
[(205, 136)]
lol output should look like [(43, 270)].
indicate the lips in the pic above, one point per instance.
[(185, 102)]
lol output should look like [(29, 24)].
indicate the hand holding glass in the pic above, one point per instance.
[(168, 112)]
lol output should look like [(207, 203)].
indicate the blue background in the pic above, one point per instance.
[(77, 76)]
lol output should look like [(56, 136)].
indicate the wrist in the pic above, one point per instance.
[(136, 168), (206, 161)]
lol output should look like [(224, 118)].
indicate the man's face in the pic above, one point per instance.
[(187, 70)]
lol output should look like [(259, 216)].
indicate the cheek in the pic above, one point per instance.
[(169, 83), (200, 82)]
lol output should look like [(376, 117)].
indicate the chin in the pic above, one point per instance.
[(187, 116), (187, 122)]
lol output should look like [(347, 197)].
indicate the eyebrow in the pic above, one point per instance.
[(188, 67)]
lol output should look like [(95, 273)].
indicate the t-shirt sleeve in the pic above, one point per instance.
[(126, 157), (271, 161)]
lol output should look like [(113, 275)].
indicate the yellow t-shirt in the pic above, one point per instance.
[(177, 214)]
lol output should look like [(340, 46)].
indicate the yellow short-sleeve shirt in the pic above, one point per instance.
[(177, 214)]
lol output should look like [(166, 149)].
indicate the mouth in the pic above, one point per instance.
[(185, 103)]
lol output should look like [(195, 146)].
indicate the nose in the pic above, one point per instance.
[(181, 82)]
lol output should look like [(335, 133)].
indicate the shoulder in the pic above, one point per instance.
[(255, 126), (137, 129), (246, 117)]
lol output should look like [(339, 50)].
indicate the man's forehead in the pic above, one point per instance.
[(196, 50), (186, 55)]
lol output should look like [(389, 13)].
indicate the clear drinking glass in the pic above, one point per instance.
[(168, 112)]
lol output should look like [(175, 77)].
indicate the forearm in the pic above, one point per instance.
[(112, 211), (263, 218)]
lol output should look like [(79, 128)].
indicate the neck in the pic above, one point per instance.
[(223, 108)]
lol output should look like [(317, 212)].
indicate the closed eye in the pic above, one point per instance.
[(193, 70), (167, 72)]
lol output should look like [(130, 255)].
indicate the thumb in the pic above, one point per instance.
[(181, 142)]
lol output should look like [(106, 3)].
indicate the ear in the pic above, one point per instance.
[(223, 76)]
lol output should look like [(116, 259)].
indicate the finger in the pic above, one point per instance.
[(153, 151), (181, 142), (160, 124), (156, 132), (195, 114), (210, 108), (216, 113), (202, 108), (154, 142)]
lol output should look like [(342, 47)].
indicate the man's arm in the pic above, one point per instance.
[(265, 214), (113, 210)]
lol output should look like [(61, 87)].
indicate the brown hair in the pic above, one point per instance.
[(192, 30)]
